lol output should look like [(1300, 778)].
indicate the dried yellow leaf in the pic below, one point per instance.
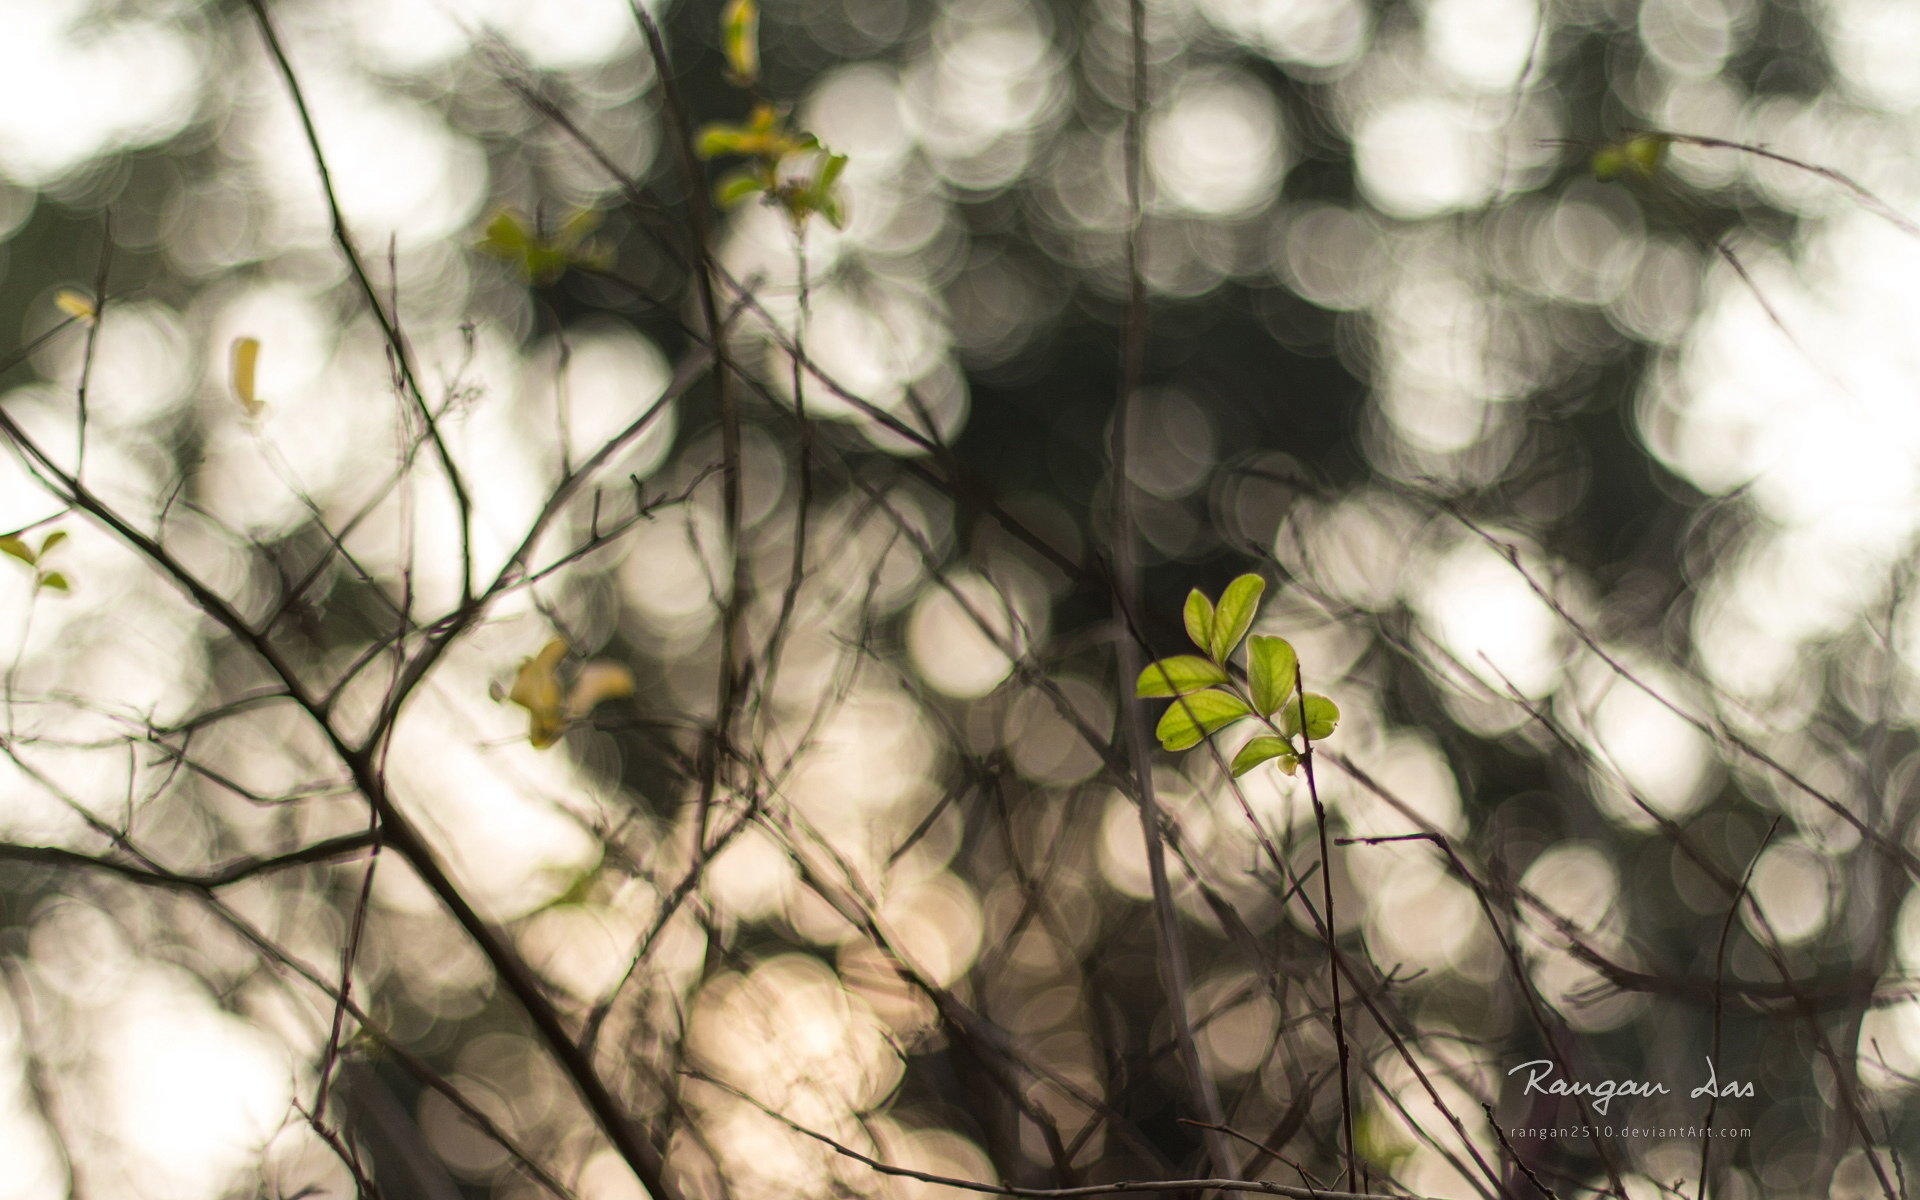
[(551, 706), (75, 305), (536, 688), (245, 360), (597, 683)]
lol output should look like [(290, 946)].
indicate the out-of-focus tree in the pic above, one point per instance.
[(587, 592)]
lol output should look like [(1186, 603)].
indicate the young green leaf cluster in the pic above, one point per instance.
[(1208, 697), (14, 546), (542, 257), (1640, 155), (766, 139)]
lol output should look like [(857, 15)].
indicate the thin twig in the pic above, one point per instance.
[(700, 234), (1175, 970), (1120, 1188), (1332, 941), (388, 322), (1719, 979)]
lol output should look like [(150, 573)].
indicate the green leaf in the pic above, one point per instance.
[(818, 197), (545, 264), (1265, 748), (54, 580), (53, 539), (1178, 675), (1192, 718), (737, 186), (829, 174), (1270, 663), (1234, 616), (740, 38), (1643, 155), (540, 260), (1199, 618), (1647, 151), (14, 547), (506, 236), (1322, 716), (717, 140)]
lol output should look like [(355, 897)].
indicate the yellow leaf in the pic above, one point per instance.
[(75, 305), (536, 688), (54, 580), (550, 705), (537, 680), (14, 547), (597, 683), (245, 360), (543, 731), (740, 36)]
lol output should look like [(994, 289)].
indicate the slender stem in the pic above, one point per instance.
[(1175, 972), (700, 234), (1123, 1187), (349, 957), (389, 322), (332, 850), (93, 337), (1719, 996), (1333, 947), (803, 465)]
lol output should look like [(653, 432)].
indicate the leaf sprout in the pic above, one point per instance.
[(1208, 696), (543, 258), (1640, 156), (14, 546), (787, 167)]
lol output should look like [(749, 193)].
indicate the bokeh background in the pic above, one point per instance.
[(1594, 504)]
